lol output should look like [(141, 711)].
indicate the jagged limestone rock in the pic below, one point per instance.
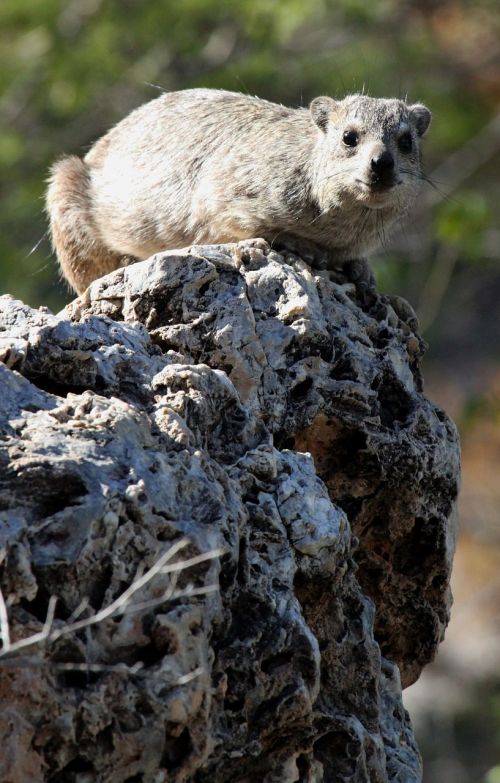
[(173, 399)]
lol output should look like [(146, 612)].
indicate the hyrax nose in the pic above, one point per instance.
[(383, 165)]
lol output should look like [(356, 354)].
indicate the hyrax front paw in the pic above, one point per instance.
[(306, 249), (358, 271)]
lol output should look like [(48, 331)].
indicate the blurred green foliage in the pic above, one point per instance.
[(463, 222), (461, 745), (478, 408), (71, 68), (493, 775)]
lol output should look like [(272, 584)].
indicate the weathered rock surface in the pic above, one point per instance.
[(173, 399)]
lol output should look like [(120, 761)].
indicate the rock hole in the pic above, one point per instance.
[(236, 706), (382, 338), (301, 389), (271, 664), (395, 403), (332, 750), (74, 680), (420, 547), (51, 490), (327, 352), (204, 288), (72, 771), (150, 655), (349, 457), (301, 587), (303, 767), (352, 506), (344, 370), (59, 389), (163, 343), (176, 750), (441, 415), (165, 640), (439, 582), (283, 440), (242, 563), (104, 740), (227, 575)]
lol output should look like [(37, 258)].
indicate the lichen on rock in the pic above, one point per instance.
[(233, 397)]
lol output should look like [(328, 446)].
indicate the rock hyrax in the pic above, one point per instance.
[(209, 166)]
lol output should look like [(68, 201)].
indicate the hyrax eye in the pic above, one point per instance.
[(405, 142), (350, 138)]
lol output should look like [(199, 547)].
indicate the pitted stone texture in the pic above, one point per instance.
[(91, 498), (331, 375), (147, 413)]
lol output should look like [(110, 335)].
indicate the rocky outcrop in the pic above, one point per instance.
[(259, 432)]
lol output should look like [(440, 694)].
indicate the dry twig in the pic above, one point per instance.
[(121, 605)]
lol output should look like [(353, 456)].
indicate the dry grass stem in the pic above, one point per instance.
[(121, 605)]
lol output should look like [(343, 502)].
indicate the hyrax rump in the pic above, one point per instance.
[(209, 166)]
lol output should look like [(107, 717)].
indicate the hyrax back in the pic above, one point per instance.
[(209, 166)]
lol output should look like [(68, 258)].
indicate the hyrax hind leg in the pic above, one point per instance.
[(81, 254)]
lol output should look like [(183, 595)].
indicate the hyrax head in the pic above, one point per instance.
[(373, 145)]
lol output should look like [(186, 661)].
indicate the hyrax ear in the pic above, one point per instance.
[(421, 117), (322, 109)]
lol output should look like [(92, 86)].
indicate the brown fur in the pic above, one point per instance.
[(208, 166), (81, 254)]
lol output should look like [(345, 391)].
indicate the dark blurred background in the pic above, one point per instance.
[(71, 68)]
